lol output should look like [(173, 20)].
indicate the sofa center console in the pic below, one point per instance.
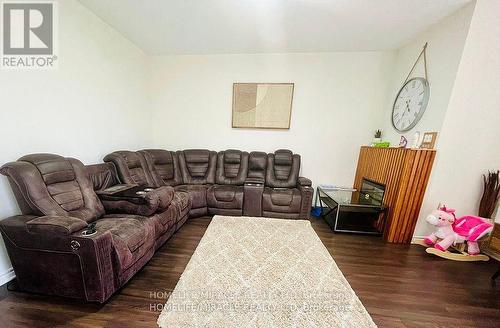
[(253, 190)]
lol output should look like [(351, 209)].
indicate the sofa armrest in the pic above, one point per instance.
[(252, 199), (50, 257), (64, 225), (305, 182), (306, 190), (151, 202), (127, 206), (254, 181), (165, 195)]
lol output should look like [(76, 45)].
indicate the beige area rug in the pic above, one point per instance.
[(260, 272)]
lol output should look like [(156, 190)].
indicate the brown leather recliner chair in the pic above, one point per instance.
[(197, 168), (163, 166), (151, 168), (46, 246), (286, 195), (226, 196)]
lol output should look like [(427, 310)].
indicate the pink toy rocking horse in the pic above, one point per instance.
[(452, 231)]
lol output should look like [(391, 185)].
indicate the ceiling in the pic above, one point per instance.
[(162, 27)]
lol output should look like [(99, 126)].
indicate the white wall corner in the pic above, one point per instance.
[(7, 276)]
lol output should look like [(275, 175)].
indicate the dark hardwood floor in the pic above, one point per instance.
[(400, 286)]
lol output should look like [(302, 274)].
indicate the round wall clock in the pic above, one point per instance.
[(410, 104)]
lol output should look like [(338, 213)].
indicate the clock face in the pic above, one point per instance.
[(410, 104)]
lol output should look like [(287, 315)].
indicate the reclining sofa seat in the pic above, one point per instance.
[(48, 251), (285, 195), (197, 167), (226, 196), (152, 168), (163, 166)]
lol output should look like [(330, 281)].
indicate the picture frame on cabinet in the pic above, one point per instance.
[(429, 140)]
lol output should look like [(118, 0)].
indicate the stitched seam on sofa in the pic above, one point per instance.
[(63, 191), (47, 224), (81, 193)]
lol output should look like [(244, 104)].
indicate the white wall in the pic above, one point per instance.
[(94, 103), (446, 41), (337, 103), (470, 136)]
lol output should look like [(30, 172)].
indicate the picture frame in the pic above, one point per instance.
[(262, 105), (429, 140)]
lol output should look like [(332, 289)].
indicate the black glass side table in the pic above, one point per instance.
[(352, 211)]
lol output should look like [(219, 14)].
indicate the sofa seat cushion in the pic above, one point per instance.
[(197, 194), (132, 235), (281, 200), (225, 196)]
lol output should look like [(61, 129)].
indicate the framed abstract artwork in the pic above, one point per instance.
[(262, 105)]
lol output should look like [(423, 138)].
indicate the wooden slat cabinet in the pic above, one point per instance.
[(405, 173)]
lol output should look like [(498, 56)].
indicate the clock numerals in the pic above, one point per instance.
[(410, 104)]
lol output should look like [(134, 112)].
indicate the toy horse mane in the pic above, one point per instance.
[(448, 210)]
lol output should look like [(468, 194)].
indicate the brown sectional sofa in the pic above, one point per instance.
[(60, 198)]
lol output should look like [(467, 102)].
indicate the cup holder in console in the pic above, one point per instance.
[(88, 232)]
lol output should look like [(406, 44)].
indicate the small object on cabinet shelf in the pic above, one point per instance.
[(382, 144), (377, 137), (403, 142), (429, 140), (416, 141)]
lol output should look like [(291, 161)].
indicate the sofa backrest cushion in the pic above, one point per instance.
[(257, 165), (164, 166), (282, 169), (197, 166), (47, 184), (102, 175), (131, 167), (232, 167)]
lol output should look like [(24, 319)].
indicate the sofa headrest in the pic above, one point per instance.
[(283, 157), (197, 155), (53, 168), (232, 156), (131, 158), (160, 156)]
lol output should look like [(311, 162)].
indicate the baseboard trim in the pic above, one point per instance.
[(417, 239), (7, 276)]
